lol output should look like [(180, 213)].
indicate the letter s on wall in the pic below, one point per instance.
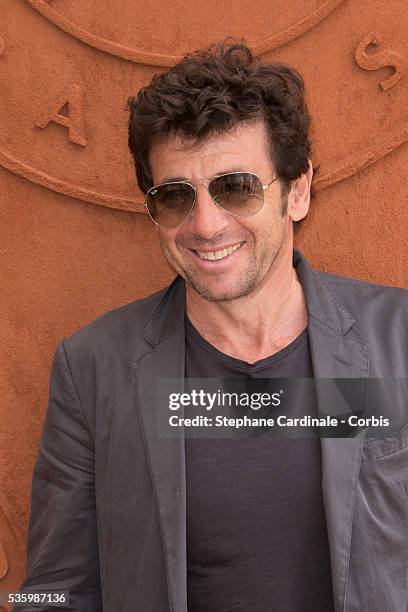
[(381, 59)]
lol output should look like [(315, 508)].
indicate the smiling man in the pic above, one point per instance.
[(127, 519)]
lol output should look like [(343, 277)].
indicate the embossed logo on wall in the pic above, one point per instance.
[(64, 119)]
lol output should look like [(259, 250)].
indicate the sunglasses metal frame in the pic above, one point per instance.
[(206, 181)]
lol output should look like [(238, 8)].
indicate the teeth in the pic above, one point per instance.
[(219, 254)]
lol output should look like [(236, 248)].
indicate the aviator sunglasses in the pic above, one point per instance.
[(238, 193)]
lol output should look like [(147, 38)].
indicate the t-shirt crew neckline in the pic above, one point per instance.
[(239, 363)]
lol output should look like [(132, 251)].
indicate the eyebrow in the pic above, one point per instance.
[(174, 179)]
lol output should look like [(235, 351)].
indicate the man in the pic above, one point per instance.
[(127, 519)]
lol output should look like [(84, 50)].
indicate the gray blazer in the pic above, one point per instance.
[(108, 513)]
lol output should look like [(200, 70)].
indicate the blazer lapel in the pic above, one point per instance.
[(341, 457), (337, 353), (165, 334)]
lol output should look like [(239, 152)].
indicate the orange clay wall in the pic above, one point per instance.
[(74, 240)]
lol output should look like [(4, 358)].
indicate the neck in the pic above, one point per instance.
[(260, 324)]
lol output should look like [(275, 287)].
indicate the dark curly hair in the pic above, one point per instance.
[(211, 91)]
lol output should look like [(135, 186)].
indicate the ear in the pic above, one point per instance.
[(299, 195)]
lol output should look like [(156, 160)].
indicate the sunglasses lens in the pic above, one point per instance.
[(239, 193), (170, 203)]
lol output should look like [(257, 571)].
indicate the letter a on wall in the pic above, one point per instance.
[(73, 120)]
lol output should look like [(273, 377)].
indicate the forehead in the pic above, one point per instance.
[(245, 147)]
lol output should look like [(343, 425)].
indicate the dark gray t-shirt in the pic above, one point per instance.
[(256, 530)]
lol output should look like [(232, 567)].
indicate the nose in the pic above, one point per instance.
[(207, 218)]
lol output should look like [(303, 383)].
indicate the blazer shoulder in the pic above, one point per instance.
[(372, 304), (348, 285), (116, 325)]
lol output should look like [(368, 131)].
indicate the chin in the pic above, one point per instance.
[(221, 294)]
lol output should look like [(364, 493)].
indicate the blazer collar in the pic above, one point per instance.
[(168, 314), (322, 304)]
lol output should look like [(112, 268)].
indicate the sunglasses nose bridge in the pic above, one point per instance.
[(199, 204), (201, 182), (206, 185)]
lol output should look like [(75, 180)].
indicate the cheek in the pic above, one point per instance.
[(166, 239), (267, 231), (169, 246), (164, 244)]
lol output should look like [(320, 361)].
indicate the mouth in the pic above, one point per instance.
[(220, 254)]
